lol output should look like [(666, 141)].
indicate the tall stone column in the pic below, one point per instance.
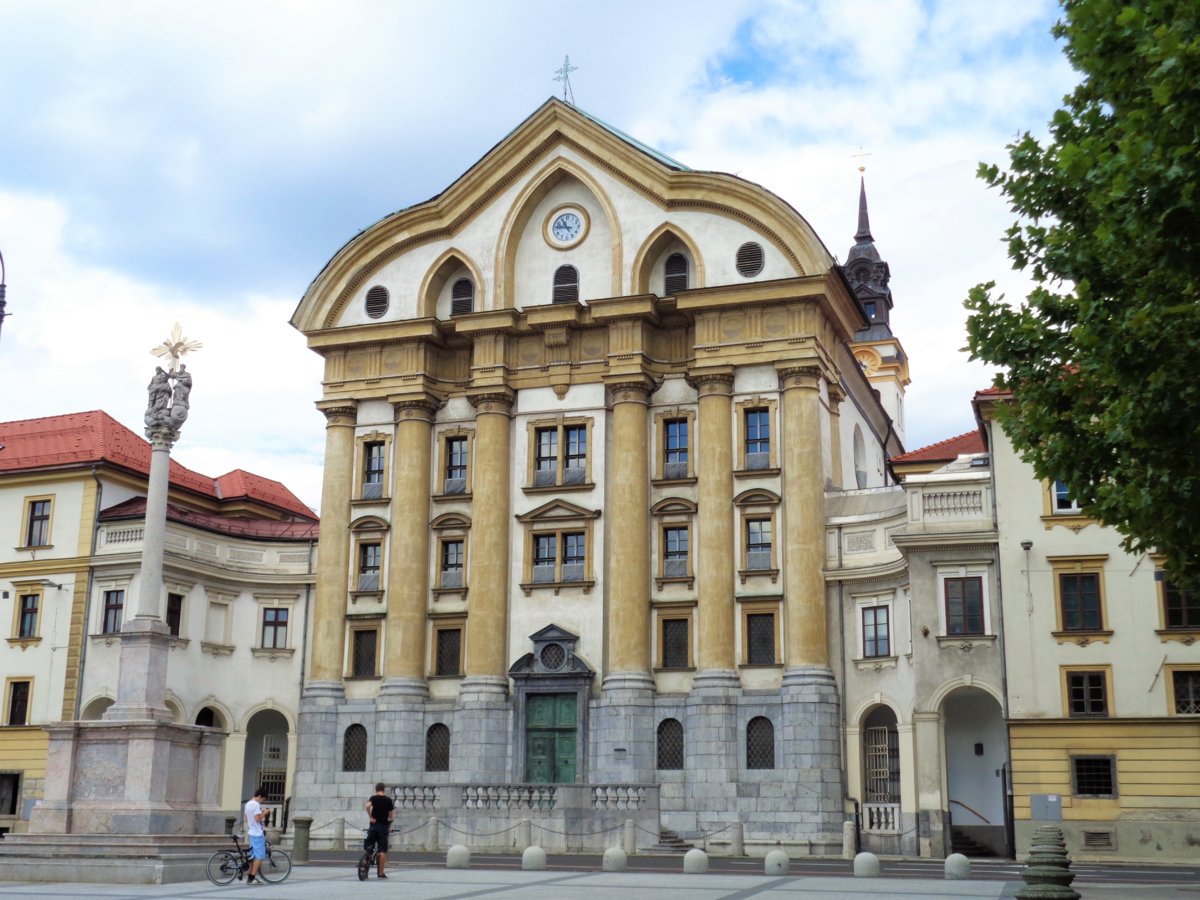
[(627, 717), (811, 721), (836, 396), (400, 744), (715, 656), (483, 695)]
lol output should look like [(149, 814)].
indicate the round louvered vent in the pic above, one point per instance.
[(750, 259), (377, 301), (553, 656)]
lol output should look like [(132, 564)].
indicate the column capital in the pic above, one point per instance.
[(339, 412), (836, 396), (415, 408), (492, 400), (798, 376), (706, 383), (630, 388)]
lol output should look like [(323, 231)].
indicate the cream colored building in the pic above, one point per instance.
[(240, 553), (1103, 675), (583, 410)]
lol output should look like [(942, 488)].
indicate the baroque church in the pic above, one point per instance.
[(584, 409)]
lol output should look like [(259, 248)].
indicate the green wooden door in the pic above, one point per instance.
[(550, 739)]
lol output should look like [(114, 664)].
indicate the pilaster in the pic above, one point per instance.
[(836, 396)]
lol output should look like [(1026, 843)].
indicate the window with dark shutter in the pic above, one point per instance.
[(462, 297), (566, 284), (676, 274), (377, 301), (749, 260)]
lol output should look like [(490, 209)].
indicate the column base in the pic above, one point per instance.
[(717, 682), (808, 676), (142, 678), (410, 690), (483, 689), (635, 683), (316, 691)]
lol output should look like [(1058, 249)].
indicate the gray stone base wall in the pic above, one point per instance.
[(1169, 836)]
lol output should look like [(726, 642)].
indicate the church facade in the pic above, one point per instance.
[(583, 409)]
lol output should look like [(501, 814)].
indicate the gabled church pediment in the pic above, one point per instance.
[(558, 510)]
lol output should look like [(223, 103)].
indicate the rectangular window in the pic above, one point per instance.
[(10, 793), (758, 438), (456, 465), (675, 448), (675, 552), (114, 612), (675, 643), (174, 613), (448, 652), (1063, 502), (274, 628), (1087, 694), (1094, 776), (363, 651), (370, 562), (760, 639), (877, 639), (573, 556), (1186, 683), (37, 530), (373, 464), (545, 558), (758, 543), (1181, 608), (28, 623), (964, 605), (18, 703), (545, 465), (452, 564), (576, 454), (1080, 593)]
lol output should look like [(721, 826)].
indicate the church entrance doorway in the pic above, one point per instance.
[(551, 738)]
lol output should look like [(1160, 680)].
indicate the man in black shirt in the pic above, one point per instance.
[(381, 811)]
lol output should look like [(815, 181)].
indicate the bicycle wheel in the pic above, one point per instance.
[(276, 867), (222, 867), (364, 866)]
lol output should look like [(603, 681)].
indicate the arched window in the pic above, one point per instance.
[(676, 274), (437, 748), (354, 749), (462, 297), (566, 284), (207, 717), (670, 744), (760, 744)]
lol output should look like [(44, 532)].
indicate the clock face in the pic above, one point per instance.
[(566, 227)]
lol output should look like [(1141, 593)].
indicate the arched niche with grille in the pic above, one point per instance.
[(760, 743), (437, 748), (670, 744), (566, 285), (462, 297), (354, 749), (675, 274), (377, 301), (749, 259)]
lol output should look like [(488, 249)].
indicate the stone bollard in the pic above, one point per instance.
[(525, 833), (629, 838), (776, 863), (433, 836), (458, 857), (614, 860), (695, 862), (1047, 873), (866, 865), (533, 859), (339, 834), (300, 834), (957, 868), (737, 839), (848, 841)]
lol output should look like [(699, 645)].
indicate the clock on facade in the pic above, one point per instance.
[(566, 226)]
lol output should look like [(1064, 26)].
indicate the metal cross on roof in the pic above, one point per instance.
[(563, 74), (176, 347), (861, 154)]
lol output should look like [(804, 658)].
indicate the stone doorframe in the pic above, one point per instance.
[(552, 668)]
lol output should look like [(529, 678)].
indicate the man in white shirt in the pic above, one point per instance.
[(253, 815)]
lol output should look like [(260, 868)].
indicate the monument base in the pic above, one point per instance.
[(107, 858)]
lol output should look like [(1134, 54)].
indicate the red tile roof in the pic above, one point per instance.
[(947, 450), (96, 437), (237, 526)]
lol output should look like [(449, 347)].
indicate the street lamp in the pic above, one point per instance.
[(3, 291)]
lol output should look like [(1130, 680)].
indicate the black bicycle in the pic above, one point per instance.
[(226, 865), (370, 855)]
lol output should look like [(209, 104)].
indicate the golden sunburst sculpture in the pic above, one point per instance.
[(176, 347)]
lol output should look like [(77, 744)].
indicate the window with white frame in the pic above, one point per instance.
[(876, 630), (963, 592), (112, 612), (1064, 503), (274, 627)]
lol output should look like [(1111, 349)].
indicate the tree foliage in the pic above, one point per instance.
[(1103, 356)]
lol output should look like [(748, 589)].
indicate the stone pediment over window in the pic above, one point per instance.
[(674, 506), (756, 497), (557, 511), (553, 656), (369, 523)]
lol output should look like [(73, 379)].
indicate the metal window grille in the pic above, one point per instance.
[(1099, 840), (273, 772), (1183, 607), (354, 749), (749, 260), (566, 285), (553, 657), (572, 572), (1087, 694), (881, 753), (1080, 593), (1094, 776), (760, 744), (675, 470), (674, 644), (365, 644), (449, 651), (670, 744), (964, 605), (452, 578), (760, 639), (462, 297), (543, 574), (757, 560), (372, 490), (377, 301), (437, 748), (455, 486), (675, 274), (1187, 692)]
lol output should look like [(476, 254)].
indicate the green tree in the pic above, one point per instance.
[(1103, 356)]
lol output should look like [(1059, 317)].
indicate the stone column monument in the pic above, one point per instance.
[(133, 797)]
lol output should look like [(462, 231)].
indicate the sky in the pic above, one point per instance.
[(199, 163)]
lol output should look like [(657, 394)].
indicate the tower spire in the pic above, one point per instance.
[(864, 224)]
